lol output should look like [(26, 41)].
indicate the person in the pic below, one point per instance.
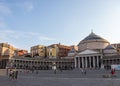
[(16, 74), (85, 71), (7, 71), (82, 71), (10, 74), (113, 71), (54, 68), (55, 71)]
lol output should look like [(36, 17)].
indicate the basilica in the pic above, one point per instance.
[(96, 52)]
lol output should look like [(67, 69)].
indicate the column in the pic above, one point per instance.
[(82, 62), (86, 62), (93, 61), (97, 62), (90, 61), (79, 62), (95, 57), (75, 62), (101, 62)]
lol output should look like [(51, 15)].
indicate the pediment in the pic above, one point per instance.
[(88, 52)]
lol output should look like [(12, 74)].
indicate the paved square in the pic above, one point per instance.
[(64, 78)]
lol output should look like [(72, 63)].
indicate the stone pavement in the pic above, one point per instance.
[(64, 78)]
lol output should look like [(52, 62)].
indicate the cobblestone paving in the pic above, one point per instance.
[(65, 78)]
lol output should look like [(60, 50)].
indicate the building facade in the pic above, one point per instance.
[(96, 52), (21, 52), (90, 52), (111, 56), (61, 50), (52, 52), (46, 56), (38, 50), (7, 51), (41, 64), (89, 59)]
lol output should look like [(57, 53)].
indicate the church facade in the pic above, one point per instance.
[(88, 59), (92, 51)]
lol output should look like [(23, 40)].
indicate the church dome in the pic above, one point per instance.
[(92, 36), (92, 41), (110, 49)]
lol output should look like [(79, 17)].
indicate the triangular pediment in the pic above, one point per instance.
[(88, 51)]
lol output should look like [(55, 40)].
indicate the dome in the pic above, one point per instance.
[(93, 36), (109, 47), (92, 41)]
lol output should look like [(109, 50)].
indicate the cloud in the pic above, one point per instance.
[(46, 38), (10, 34), (22, 39), (8, 31), (4, 9)]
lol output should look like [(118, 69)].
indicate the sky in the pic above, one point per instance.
[(26, 23)]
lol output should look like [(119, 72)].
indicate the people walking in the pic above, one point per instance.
[(16, 74), (11, 74)]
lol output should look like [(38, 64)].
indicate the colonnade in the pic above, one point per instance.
[(88, 61)]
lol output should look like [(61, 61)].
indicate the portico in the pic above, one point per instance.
[(88, 59)]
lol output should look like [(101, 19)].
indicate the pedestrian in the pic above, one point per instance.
[(7, 71), (82, 71), (13, 74), (85, 71), (113, 71), (55, 71), (16, 74), (10, 74)]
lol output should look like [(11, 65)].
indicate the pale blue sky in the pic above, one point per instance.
[(25, 23)]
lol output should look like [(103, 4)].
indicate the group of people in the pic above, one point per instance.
[(13, 74), (83, 71)]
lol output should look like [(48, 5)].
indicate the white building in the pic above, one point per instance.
[(91, 51)]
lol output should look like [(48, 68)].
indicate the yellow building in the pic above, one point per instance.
[(52, 52), (7, 51), (38, 50), (60, 51)]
